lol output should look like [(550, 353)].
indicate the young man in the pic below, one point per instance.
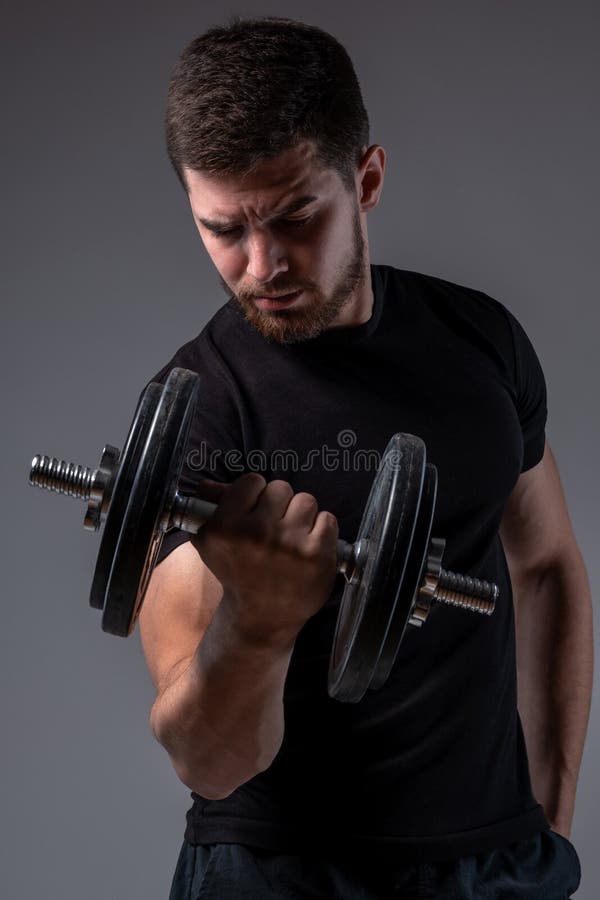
[(423, 788)]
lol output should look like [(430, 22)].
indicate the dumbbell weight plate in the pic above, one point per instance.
[(127, 469), (411, 581), (367, 607), (163, 439)]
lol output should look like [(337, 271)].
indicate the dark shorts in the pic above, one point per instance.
[(545, 867)]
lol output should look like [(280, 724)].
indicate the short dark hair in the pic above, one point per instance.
[(244, 93)]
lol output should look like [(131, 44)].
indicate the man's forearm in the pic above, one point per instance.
[(221, 716), (554, 662)]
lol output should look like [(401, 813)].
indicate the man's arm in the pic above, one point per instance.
[(218, 627), (218, 709), (554, 636)]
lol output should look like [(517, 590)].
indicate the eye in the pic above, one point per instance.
[(296, 223), (226, 232)]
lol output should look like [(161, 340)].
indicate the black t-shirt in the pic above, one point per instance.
[(433, 765)]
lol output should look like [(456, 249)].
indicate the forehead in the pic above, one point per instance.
[(274, 183)]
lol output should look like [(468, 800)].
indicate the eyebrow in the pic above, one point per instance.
[(295, 206)]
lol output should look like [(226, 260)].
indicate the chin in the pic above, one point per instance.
[(285, 326)]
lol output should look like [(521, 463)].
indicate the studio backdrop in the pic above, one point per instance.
[(489, 115)]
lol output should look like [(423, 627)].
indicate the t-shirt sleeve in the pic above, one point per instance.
[(531, 399)]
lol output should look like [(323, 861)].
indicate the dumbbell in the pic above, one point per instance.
[(393, 571)]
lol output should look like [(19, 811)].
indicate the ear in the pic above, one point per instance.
[(369, 181)]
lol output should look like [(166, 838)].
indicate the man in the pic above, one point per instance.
[(423, 788)]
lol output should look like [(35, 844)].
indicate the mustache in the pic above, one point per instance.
[(274, 288)]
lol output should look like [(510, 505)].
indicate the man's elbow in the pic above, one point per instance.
[(213, 774), (214, 786)]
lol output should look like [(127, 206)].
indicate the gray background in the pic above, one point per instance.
[(489, 112)]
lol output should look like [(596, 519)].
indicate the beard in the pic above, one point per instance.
[(289, 326)]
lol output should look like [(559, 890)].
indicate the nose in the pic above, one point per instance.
[(266, 256)]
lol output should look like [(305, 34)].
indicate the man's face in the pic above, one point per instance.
[(291, 230)]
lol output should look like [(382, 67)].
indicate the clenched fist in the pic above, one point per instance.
[(273, 551)]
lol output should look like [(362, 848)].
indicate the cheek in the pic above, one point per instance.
[(228, 261), (337, 241), (329, 242)]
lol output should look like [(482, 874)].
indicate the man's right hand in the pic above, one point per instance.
[(272, 550)]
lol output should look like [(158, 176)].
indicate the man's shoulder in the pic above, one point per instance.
[(435, 287), (201, 353), (447, 300)]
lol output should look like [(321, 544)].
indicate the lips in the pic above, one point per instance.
[(281, 301)]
